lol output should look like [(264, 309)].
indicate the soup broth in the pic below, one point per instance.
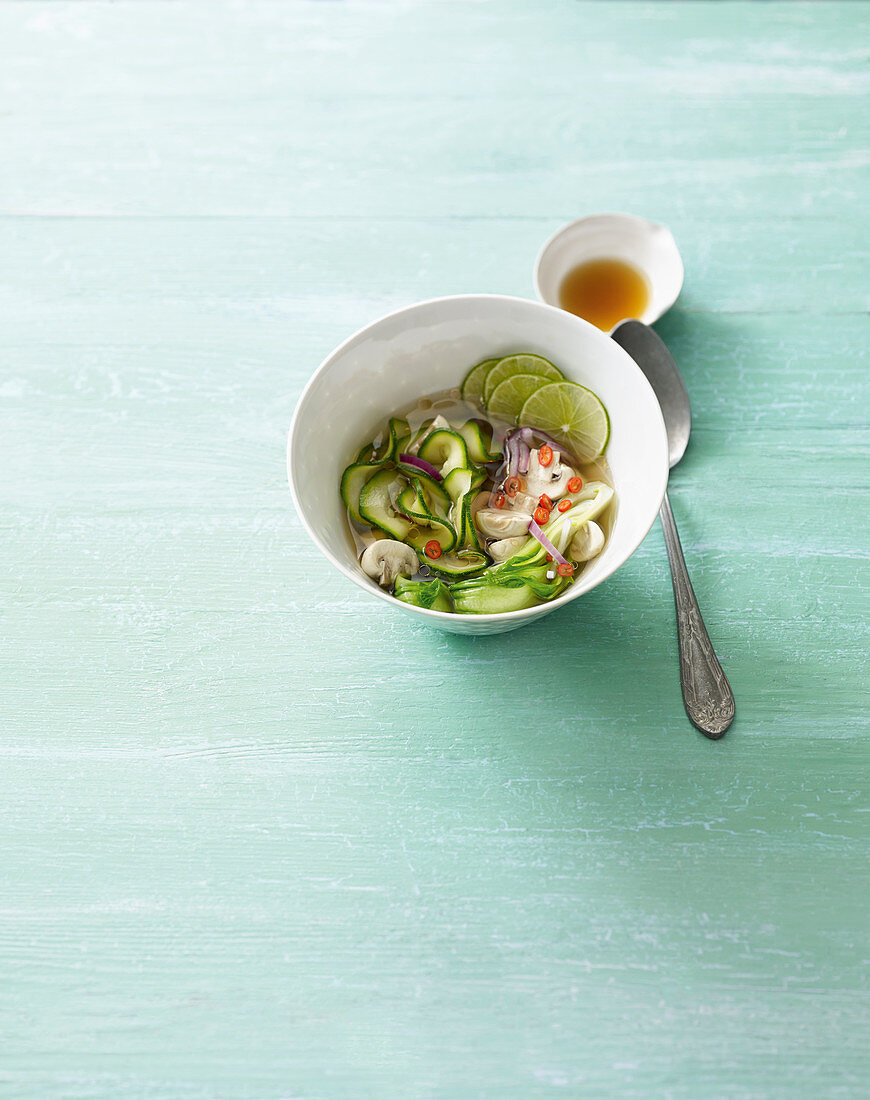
[(464, 502), (449, 404)]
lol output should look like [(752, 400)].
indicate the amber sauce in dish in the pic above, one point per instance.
[(604, 291)]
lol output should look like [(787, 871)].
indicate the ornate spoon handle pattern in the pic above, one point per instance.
[(707, 694)]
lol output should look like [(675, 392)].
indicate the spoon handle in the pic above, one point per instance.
[(707, 694)]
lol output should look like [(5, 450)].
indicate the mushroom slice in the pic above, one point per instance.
[(480, 501), (387, 559), (522, 502), (500, 523), (552, 480), (587, 543), (506, 548)]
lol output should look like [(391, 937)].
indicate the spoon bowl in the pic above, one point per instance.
[(651, 354)]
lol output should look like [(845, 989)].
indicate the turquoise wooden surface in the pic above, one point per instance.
[(259, 839)]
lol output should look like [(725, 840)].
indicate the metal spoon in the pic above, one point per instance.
[(707, 694)]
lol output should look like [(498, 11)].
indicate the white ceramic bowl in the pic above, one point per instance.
[(429, 347), (649, 247)]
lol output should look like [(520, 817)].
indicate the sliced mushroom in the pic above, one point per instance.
[(501, 523), (480, 501), (587, 543), (523, 503), (552, 480), (506, 548), (387, 559)]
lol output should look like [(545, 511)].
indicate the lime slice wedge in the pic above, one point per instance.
[(509, 396), (519, 364), (472, 385), (570, 413)]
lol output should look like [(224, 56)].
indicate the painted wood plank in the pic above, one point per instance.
[(261, 839)]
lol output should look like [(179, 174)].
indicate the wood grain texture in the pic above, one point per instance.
[(261, 839)]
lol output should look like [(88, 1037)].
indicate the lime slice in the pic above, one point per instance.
[(509, 396), (519, 364), (570, 413), (472, 385)]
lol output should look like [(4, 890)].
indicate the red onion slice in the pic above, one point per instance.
[(529, 435), (426, 467), (518, 446), (525, 456), (536, 532)]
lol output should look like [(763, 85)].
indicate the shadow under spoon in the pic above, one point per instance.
[(707, 694)]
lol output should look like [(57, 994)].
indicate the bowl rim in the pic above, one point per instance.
[(575, 590)]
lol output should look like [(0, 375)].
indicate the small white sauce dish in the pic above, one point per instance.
[(648, 247), (429, 347)]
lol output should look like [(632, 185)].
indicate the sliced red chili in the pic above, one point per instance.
[(564, 505), (545, 502), (499, 500), (566, 569), (575, 484), (433, 548), (512, 486), (541, 516), (545, 455)]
